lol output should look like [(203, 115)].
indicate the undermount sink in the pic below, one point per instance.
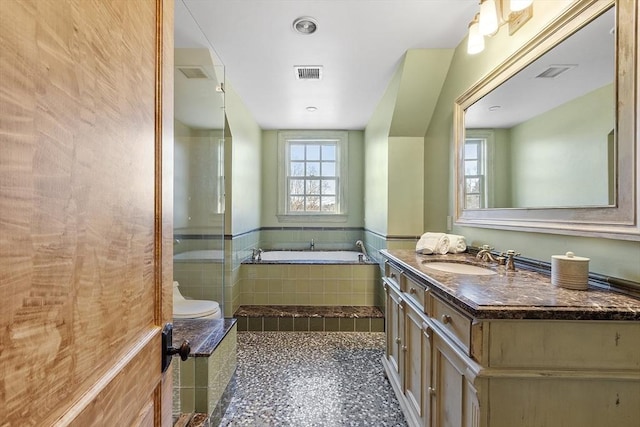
[(459, 268)]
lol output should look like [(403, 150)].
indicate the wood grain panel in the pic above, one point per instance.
[(123, 395), (79, 209)]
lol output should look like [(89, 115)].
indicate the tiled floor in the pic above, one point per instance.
[(323, 379)]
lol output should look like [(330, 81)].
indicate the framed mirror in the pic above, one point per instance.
[(547, 141)]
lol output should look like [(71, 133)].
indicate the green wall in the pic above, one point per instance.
[(269, 184), (243, 166), (394, 141), (563, 149), (196, 176)]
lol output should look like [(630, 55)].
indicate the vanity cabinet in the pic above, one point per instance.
[(505, 365), (394, 321), (425, 368)]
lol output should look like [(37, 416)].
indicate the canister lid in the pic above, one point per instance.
[(570, 256)]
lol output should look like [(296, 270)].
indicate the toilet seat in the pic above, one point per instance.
[(195, 309)]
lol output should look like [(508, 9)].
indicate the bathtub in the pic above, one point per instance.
[(321, 278), (311, 257)]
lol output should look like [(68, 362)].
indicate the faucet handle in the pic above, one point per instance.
[(510, 253), (509, 263)]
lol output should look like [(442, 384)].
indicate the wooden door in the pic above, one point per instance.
[(85, 211)]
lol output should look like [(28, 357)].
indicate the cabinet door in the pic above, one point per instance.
[(394, 314), (454, 399), (417, 365)]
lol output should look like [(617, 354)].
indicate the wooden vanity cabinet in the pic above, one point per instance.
[(394, 325), (449, 369), (426, 369)]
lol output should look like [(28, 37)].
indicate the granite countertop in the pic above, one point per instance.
[(203, 335), (519, 294)]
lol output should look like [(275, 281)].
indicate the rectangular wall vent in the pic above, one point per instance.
[(308, 72), (194, 72), (554, 71)]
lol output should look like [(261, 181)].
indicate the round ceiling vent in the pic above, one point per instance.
[(305, 25)]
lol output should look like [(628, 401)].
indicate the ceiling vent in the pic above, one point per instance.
[(194, 72), (307, 72), (554, 71)]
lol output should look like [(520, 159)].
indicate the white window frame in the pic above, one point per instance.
[(486, 165), (342, 141)]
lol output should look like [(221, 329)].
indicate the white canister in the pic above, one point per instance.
[(570, 271)]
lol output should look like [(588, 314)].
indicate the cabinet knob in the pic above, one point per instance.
[(432, 391), (412, 290), (398, 340), (404, 348), (446, 319)]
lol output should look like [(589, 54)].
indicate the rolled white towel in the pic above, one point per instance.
[(457, 243), (433, 243)]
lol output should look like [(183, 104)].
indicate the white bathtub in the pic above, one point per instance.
[(311, 256)]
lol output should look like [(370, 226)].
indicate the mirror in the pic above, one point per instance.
[(539, 145), (537, 138)]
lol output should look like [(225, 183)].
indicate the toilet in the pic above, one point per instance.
[(193, 308)]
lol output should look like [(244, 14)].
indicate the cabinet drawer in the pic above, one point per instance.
[(416, 291), (394, 274), (452, 321)]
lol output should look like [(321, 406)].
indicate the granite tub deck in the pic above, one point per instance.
[(204, 384), (304, 318), (520, 294)]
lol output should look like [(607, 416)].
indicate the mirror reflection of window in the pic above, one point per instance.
[(474, 173)]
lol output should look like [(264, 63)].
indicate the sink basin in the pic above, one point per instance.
[(458, 268)]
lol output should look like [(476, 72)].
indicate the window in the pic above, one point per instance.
[(312, 174), (474, 173)]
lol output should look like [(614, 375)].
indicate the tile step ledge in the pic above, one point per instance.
[(297, 318)]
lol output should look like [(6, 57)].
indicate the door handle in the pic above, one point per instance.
[(168, 350)]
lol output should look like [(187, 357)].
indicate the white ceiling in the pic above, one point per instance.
[(359, 43)]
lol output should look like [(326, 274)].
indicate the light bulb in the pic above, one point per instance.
[(488, 17), (475, 41), (516, 5)]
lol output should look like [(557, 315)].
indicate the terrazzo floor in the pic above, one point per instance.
[(312, 379)]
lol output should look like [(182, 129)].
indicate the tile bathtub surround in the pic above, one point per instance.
[(309, 284), (312, 379), (289, 318)]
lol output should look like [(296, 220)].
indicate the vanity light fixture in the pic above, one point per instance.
[(517, 5), (475, 41), (488, 17), (493, 14)]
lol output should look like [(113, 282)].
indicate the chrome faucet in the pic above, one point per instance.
[(484, 254), (313, 245), (510, 254), (360, 245), (256, 254)]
